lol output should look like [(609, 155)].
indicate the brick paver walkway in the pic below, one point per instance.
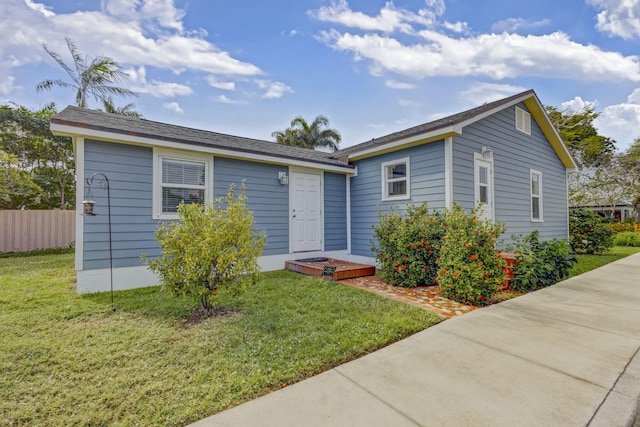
[(427, 297)]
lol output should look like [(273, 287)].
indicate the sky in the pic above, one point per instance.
[(248, 67)]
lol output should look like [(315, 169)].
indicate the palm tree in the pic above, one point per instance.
[(126, 110), (312, 136), (94, 78)]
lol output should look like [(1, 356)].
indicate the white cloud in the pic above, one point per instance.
[(621, 121), (173, 106), (136, 33), (226, 100), (214, 82), (480, 93), (399, 85), (389, 19), (38, 7), (512, 25), (157, 89), (274, 89), (577, 105), (497, 56), (618, 17), (7, 86)]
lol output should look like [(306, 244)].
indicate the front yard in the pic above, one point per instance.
[(66, 359)]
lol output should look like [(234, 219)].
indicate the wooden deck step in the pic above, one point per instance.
[(329, 268)]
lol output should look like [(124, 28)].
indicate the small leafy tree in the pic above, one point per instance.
[(408, 245), (587, 232), (470, 267), (213, 247)]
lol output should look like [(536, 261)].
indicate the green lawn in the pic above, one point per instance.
[(589, 262), (66, 359)]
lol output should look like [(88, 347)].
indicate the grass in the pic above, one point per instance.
[(67, 359), (589, 262)]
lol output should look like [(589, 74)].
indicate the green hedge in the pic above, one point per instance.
[(627, 238)]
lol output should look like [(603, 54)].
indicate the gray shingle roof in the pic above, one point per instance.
[(432, 126), (118, 124)]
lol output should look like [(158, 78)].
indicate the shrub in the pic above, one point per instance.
[(470, 268), (587, 232), (539, 263), (628, 238), (408, 245), (626, 226), (213, 246)]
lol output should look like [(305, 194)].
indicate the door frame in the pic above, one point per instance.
[(320, 173), (476, 193)]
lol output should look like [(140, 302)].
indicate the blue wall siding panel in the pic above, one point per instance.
[(514, 154), (427, 184), (335, 211), (130, 172), (266, 197)]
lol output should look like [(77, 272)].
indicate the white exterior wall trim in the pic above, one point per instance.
[(78, 143)]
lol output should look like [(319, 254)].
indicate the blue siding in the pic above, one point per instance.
[(130, 172), (268, 200), (514, 153), (335, 209), (427, 184)]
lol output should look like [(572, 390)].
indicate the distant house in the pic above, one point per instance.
[(504, 156), (620, 211)]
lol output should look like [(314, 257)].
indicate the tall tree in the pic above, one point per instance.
[(95, 78), (17, 188), (312, 136), (630, 161), (46, 158), (581, 137), (126, 110)]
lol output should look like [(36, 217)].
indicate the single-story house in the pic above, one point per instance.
[(621, 211), (505, 156)]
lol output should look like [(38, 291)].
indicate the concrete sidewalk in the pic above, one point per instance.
[(567, 355)]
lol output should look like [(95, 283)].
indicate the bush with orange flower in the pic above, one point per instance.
[(407, 245), (470, 269)]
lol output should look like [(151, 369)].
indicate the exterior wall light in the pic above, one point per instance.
[(283, 178)]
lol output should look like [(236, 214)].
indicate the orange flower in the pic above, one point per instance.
[(404, 267), (444, 271), (481, 298), (430, 251), (468, 245), (473, 257), (487, 277), (411, 245), (456, 274)]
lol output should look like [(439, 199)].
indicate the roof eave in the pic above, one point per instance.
[(64, 128)]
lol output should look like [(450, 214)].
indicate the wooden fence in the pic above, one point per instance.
[(28, 230)]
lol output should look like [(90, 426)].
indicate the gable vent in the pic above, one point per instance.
[(523, 121)]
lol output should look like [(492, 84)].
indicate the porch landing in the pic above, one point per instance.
[(329, 268)]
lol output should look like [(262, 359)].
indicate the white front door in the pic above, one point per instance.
[(484, 187), (306, 212)]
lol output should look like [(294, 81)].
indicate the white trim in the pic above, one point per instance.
[(179, 155), (78, 143), (385, 180), (432, 136), (348, 195), (448, 172), (293, 171), (533, 172), (66, 130), (124, 278), (491, 183)]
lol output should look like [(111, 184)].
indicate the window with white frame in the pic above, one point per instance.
[(536, 195), (395, 179), (180, 178), (523, 121)]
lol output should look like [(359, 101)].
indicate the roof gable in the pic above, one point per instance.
[(453, 125)]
